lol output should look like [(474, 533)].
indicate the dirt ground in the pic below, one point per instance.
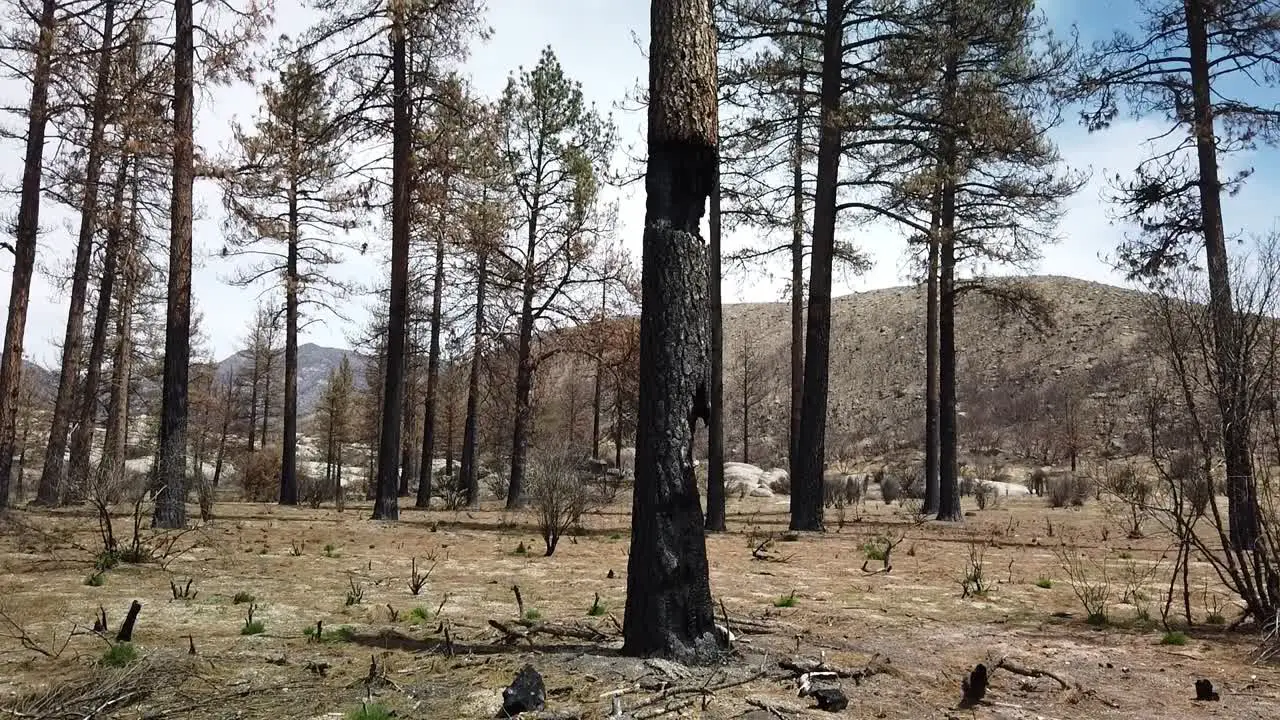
[(909, 632)]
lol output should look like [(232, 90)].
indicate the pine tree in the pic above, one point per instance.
[(1204, 68), (289, 189), (556, 149)]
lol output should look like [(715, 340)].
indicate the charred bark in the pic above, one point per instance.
[(386, 504), (797, 282), (87, 413), (52, 478), (470, 430), (669, 611), (24, 246), (289, 439), (170, 497), (948, 484), (715, 426), (1233, 394), (806, 481), (433, 380), (931, 456)]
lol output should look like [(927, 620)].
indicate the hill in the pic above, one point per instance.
[(1019, 386), (315, 363)]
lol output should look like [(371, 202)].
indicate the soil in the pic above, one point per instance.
[(911, 632)]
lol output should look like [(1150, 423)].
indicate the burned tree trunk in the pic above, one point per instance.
[(24, 249), (386, 504), (1233, 395), (170, 497), (715, 425), (52, 480), (289, 440), (931, 370), (433, 380), (669, 611), (806, 481), (87, 413), (470, 431), (797, 283), (948, 483)]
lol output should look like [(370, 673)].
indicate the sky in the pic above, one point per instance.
[(600, 43)]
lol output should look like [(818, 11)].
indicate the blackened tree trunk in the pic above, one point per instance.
[(524, 381), (111, 467), (715, 425), (170, 498), (669, 611), (597, 392), (470, 430), (407, 419), (87, 412), (52, 480), (931, 369), (746, 403), (433, 379), (266, 393), (386, 504), (289, 440), (806, 481), (948, 432), (797, 280), (1233, 393), (24, 248), (228, 407), (253, 407)]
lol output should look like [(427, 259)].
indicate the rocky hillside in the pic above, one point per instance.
[(315, 363), (1015, 381)]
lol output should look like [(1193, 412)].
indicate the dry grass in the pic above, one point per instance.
[(914, 616)]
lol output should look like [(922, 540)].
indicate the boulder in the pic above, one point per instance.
[(527, 693), (762, 492)]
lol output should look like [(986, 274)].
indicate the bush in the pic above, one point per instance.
[(890, 488), (1067, 490), (557, 495), (314, 491), (119, 655), (497, 484), (983, 492), (260, 475)]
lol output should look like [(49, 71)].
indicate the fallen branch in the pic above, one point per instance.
[(1065, 681), (517, 630)]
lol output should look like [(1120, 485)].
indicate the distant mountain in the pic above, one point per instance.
[(315, 364)]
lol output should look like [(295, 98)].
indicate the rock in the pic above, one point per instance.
[(527, 693), (762, 492), (1205, 691), (830, 699)]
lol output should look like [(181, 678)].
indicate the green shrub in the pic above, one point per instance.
[(97, 579), (419, 614), (1174, 637), (1044, 583), (786, 601), (370, 712), (119, 655), (532, 615)]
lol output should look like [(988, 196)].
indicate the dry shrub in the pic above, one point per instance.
[(312, 490), (1064, 490), (497, 484), (260, 475), (890, 488), (557, 495)]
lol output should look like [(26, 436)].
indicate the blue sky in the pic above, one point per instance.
[(595, 41)]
